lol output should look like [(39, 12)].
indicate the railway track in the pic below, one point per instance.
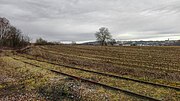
[(149, 68), (94, 82), (106, 74)]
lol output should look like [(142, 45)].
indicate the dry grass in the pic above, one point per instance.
[(25, 82), (148, 90)]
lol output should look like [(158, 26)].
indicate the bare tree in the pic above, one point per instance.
[(103, 36), (10, 36), (4, 25), (41, 41), (4, 28)]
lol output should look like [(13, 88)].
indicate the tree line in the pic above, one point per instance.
[(103, 36), (10, 36), (41, 41)]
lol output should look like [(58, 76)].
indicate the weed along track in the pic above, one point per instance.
[(94, 82), (150, 91), (105, 74)]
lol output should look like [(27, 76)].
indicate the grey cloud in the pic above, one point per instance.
[(80, 19)]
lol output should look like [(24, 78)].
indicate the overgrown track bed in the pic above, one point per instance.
[(110, 80), (51, 86), (105, 74), (94, 82)]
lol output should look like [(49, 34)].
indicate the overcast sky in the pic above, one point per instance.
[(78, 20)]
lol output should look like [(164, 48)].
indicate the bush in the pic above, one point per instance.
[(41, 41)]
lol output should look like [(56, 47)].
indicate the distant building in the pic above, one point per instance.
[(147, 43), (177, 43), (139, 43)]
